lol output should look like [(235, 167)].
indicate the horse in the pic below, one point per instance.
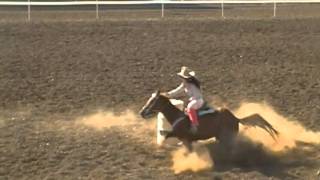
[(220, 124)]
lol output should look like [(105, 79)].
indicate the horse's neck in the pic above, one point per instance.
[(171, 112)]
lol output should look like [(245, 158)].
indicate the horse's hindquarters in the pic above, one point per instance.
[(228, 125)]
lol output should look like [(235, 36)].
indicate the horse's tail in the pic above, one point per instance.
[(256, 120)]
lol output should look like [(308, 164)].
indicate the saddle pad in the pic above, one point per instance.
[(207, 111)]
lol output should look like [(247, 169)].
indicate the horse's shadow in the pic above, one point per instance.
[(246, 156)]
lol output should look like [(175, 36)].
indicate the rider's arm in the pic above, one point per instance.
[(176, 92)]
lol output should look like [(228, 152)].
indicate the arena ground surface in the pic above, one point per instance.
[(55, 70)]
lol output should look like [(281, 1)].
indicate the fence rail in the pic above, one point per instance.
[(30, 3)]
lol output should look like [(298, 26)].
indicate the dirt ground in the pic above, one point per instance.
[(53, 72)]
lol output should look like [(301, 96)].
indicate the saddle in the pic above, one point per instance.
[(205, 109)]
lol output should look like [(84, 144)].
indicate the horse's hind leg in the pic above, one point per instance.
[(229, 131), (227, 138)]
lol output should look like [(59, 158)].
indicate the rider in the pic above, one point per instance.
[(191, 86)]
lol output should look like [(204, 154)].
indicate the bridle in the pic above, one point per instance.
[(150, 107)]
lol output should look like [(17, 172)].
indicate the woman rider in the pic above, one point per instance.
[(191, 86)]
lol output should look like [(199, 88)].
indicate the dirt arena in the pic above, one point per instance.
[(54, 73)]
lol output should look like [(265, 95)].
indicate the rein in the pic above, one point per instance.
[(177, 121)]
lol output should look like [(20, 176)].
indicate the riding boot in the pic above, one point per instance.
[(192, 113), (194, 129)]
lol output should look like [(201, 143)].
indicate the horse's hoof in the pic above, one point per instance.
[(180, 143), (163, 132)]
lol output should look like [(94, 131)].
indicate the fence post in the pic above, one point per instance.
[(97, 10), (274, 8), (29, 9), (162, 10), (222, 8)]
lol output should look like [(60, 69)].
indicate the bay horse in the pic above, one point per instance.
[(221, 124)]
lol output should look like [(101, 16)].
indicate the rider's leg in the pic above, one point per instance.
[(192, 111)]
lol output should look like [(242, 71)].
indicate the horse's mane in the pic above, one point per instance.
[(166, 98), (169, 102)]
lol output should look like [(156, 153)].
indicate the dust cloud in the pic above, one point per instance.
[(290, 131), (194, 161), (102, 119)]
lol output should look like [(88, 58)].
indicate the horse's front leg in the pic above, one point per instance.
[(187, 144), (167, 134)]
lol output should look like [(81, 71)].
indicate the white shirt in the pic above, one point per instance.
[(193, 92)]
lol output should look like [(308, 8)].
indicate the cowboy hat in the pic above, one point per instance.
[(186, 73)]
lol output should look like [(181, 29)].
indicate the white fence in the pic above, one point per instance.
[(30, 3)]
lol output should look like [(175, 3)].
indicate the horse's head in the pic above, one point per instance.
[(154, 105)]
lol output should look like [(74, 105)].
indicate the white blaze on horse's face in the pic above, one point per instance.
[(147, 109)]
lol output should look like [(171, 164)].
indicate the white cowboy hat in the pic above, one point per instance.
[(186, 73)]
